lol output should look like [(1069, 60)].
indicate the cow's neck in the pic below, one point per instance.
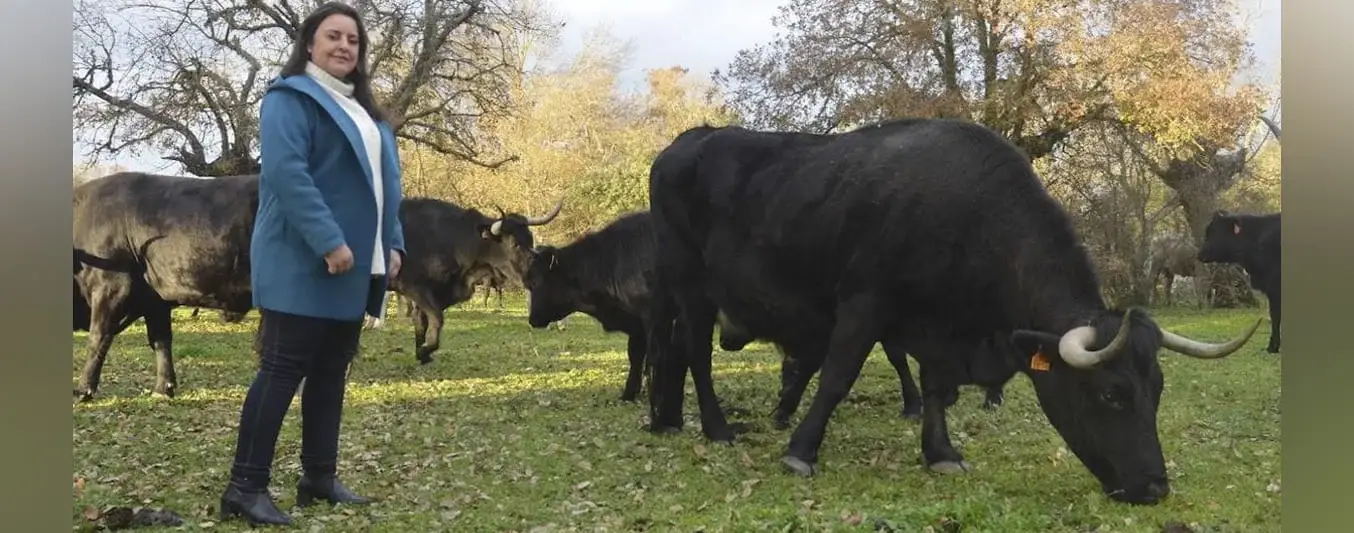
[(342, 87)]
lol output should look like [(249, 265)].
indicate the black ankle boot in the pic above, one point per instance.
[(325, 487), (255, 505)]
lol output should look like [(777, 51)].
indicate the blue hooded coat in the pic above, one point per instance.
[(315, 193)]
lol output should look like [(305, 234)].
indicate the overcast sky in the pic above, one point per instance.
[(703, 35)]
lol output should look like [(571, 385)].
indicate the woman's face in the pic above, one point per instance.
[(335, 45)]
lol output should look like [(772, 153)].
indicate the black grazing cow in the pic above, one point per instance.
[(937, 233), (1254, 242), (449, 247), (145, 244), (606, 274)]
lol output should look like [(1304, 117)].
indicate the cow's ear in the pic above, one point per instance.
[(485, 233), (1236, 227), (1035, 351)]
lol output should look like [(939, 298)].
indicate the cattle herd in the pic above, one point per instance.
[(932, 237)]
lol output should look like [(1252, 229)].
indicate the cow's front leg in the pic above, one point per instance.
[(854, 333), (433, 341), (937, 451), (109, 316)]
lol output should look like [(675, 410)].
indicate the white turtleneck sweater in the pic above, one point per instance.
[(342, 92)]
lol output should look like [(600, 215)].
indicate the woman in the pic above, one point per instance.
[(326, 238)]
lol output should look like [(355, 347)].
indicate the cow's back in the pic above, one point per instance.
[(190, 236), (945, 214), (154, 198)]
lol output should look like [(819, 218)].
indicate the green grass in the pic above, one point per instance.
[(515, 429)]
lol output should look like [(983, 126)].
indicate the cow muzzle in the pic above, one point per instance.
[(1152, 492)]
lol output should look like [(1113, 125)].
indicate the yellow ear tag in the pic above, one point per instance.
[(1039, 362)]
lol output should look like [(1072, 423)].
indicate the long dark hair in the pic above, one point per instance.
[(359, 77)]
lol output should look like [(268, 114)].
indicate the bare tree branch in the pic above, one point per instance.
[(185, 79)]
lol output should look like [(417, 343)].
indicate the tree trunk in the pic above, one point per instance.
[(1198, 184)]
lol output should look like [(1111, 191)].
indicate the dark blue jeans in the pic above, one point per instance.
[(295, 346)]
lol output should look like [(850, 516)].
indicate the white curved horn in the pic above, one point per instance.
[(1072, 347), (1205, 350)]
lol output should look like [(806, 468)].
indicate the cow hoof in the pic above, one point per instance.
[(990, 406), (911, 414), (629, 397), (423, 359), (727, 434), (662, 429), (82, 396), (949, 467), (798, 466), (1272, 349)]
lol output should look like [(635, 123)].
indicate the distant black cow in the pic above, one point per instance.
[(448, 247), (936, 233), (606, 274), (1254, 242), (145, 244)]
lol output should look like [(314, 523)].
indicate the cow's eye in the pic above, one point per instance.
[(1112, 398)]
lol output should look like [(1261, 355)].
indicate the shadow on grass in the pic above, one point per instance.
[(475, 347)]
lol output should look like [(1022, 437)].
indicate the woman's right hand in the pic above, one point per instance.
[(339, 259)]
